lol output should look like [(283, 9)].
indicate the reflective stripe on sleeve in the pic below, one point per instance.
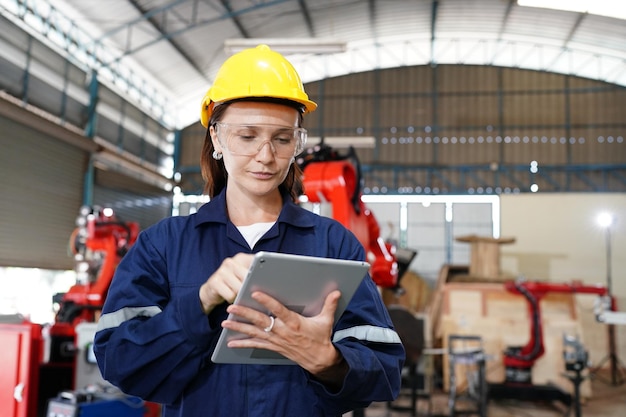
[(114, 319), (369, 334)]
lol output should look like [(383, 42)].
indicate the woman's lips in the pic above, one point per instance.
[(262, 175)]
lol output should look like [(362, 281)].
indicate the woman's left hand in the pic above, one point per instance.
[(304, 340)]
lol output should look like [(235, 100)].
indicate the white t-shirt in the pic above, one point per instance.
[(254, 232)]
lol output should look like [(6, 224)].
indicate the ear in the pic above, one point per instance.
[(216, 143)]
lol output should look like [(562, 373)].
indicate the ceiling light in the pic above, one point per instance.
[(288, 46), (609, 8)]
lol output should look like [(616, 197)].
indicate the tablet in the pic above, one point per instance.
[(301, 283)]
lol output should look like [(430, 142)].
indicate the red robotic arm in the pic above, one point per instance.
[(331, 178), (98, 244), (335, 181), (519, 360)]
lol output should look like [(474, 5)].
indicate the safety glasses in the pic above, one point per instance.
[(248, 140)]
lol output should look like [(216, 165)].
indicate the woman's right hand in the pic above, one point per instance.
[(225, 283)]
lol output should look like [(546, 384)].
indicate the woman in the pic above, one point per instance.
[(173, 291)]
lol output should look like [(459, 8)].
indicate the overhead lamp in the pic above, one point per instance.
[(342, 142), (606, 221), (288, 46)]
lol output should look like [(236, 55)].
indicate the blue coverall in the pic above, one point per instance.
[(155, 342)]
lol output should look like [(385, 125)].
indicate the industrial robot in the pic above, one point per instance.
[(334, 178), (59, 377), (519, 360)]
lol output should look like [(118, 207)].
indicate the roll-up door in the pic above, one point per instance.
[(41, 183), (130, 199)]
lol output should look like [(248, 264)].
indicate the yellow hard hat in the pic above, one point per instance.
[(255, 72)]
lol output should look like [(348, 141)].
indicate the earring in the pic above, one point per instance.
[(217, 155)]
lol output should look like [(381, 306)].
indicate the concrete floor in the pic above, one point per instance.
[(608, 400)]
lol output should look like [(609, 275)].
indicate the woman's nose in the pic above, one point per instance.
[(266, 151)]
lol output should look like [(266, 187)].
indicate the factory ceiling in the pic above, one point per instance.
[(173, 48)]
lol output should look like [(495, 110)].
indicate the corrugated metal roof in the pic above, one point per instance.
[(176, 46)]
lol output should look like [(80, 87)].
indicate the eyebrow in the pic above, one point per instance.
[(253, 126)]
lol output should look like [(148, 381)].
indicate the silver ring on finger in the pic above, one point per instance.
[(269, 328)]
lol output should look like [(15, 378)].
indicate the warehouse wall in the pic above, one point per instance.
[(460, 101), (461, 129), (558, 239)]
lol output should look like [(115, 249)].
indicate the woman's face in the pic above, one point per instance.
[(255, 173)]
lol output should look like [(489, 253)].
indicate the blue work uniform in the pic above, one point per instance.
[(154, 340)]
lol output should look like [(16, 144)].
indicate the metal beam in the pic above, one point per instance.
[(433, 25), (45, 123), (566, 41), (467, 179), (170, 35), (235, 18), (172, 42), (505, 18), (307, 17)]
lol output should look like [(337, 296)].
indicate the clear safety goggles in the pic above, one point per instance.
[(248, 140)]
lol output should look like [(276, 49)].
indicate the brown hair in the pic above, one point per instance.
[(213, 171)]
